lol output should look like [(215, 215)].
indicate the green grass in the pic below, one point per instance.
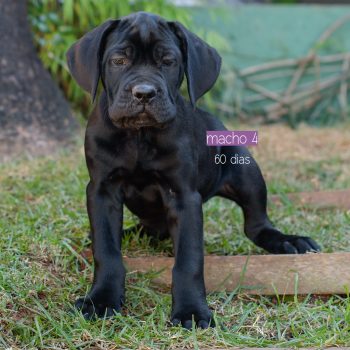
[(44, 227)]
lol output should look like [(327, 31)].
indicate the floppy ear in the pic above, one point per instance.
[(84, 57), (202, 62)]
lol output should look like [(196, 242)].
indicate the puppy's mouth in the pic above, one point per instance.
[(138, 121)]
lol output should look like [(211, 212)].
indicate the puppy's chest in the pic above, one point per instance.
[(137, 160), (145, 171), (137, 156), (141, 155)]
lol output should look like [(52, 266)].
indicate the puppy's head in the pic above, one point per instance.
[(141, 60)]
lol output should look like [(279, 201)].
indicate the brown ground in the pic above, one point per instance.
[(306, 143)]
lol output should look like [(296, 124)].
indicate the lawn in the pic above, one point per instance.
[(44, 230)]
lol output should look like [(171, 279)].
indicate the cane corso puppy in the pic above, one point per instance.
[(145, 148)]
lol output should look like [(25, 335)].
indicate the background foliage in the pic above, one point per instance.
[(59, 23)]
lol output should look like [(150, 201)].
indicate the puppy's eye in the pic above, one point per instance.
[(168, 61), (119, 61)]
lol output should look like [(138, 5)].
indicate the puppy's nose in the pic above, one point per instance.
[(144, 92)]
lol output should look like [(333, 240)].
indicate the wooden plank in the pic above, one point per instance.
[(322, 199), (262, 274)]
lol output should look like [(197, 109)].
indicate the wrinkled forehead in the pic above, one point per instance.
[(143, 30)]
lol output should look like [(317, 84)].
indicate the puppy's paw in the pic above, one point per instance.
[(277, 243), (298, 245), (94, 306), (203, 317)]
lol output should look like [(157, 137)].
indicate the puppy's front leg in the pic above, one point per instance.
[(188, 289), (105, 209)]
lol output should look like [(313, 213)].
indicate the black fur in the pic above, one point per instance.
[(146, 148)]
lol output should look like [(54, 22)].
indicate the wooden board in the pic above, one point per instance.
[(323, 199), (262, 274)]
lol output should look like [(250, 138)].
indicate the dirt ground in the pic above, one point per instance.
[(305, 143)]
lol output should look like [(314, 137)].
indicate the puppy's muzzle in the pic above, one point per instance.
[(145, 107), (144, 93)]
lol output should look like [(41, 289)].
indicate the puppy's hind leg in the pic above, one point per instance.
[(245, 184)]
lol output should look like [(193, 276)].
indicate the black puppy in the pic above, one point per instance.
[(146, 148)]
